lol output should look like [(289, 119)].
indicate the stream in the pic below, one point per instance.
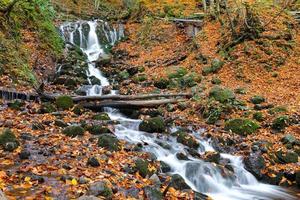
[(93, 38)]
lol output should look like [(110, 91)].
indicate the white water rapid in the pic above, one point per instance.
[(93, 37)]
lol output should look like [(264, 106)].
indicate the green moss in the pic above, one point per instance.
[(161, 83), (278, 109), (240, 91), (139, 78), (101, 116), (280, 122), (257, 99), (109, 142), (8, 140), (98, 129), (64, 102), (241, 126), (153, 125), (123, 75), (258, 116), (216, 81), (73, 131), (215, 66), (221, 95), (142, 167), (179, 72), (47, 107)]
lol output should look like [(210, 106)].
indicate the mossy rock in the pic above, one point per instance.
[(216, 81), (240, 91), (216, 65), (287, 157), (257, 99), (222, 95), (95, 81), (123, 75), (78, 110), (153, 125), (101, 116), (8, 140), (47, 107), (139, 78), (179, 183), (241, 126), (186, 139), (258, 116), (179, 72), (142, 167), (16, 105), (212, 113), (280, 123), (188, 81), (64, 102), (278, 109), (98, 129), (161, 83), (73, 131), (153, 193), (109, 142)]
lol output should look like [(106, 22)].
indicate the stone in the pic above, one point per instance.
[(88, 197), (287, 157), (73, 131), (8, 140), (152, 193), (93, 162), (94, 80), (186, 139), (100, 188), (164, 167), (132, 192), (64, 102), (37, 126), (181, 156), (60, 123), (24, 154), (47, 107), (83, 180), (109, 142), (98, 129), (161, 83), (254, 163), (178, 183), (241, 126), (288, 139), (212, 156), (101, 116), (155, 179), (153, 125)]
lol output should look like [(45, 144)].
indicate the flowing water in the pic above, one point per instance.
[(94, 37)]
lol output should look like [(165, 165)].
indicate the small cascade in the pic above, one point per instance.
[(93, 38)]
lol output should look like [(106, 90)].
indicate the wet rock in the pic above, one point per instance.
[(109, 142), (94, 80), (186, 139), (274, 179), (132, 192), (241, 126), (152, 193), (200, 196), (106, 89), (64, 102), (8, 140), (92, 161), (221, 95), (178, 183), (73, 131), (142, 167), (101, 116), (254, 163), (60, 123), (100, 188), (257, 99), (181, 156), (153, 125), (280, 123), (24, 154), (164, 167), (212, 156)]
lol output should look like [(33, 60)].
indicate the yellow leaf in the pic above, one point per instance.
[(74, 182), (48, 198), (27, 179)]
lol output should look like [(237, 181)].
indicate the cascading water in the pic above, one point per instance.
[(201, 176)]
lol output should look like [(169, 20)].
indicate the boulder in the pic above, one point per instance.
[(101, 116), (287, 157), (164, 167), (161, 83), (288, 139), (241, 126), (179, 183), (257, 99), (152, 193), (186, 139), (254, 163), (153, 125), (258, 116), (212, 156), (8, 140), (94, 80), (93, 162), (142, 167), (64, 102), (109, 142), (97, 129), (100, 188), (73, 131), (280, 123)]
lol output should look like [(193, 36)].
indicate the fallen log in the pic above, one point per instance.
[(129, 104), (127, 97)]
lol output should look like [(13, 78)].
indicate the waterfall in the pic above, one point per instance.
[(93, 37)]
